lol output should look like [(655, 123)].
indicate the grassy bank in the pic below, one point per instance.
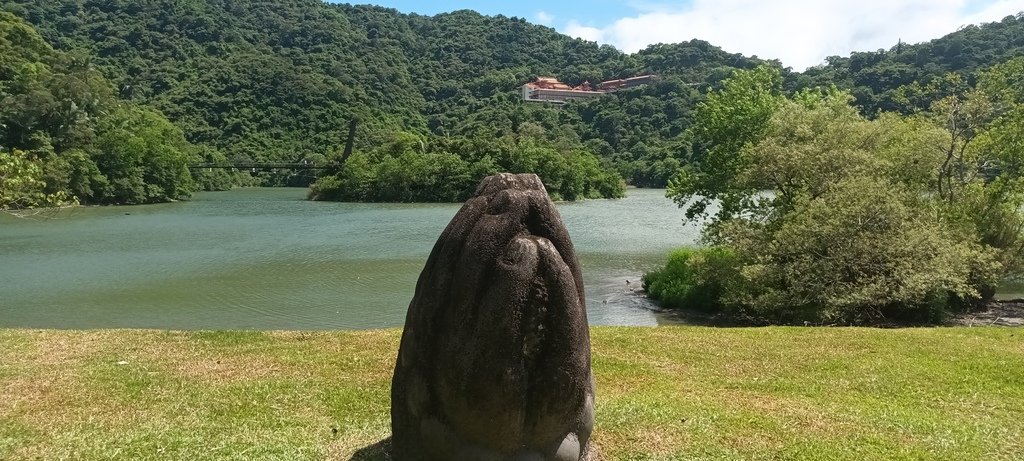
[(663, 393)]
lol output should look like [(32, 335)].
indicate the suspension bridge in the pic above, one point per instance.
[(265, 166)]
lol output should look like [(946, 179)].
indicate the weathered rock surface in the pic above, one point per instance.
[(495, 357)]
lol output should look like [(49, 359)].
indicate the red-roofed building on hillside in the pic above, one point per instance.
[(549, 89)]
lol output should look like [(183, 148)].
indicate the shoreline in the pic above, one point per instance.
[(1000, 313)]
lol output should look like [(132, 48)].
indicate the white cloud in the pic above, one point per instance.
[(575, 29), (800, 33), (544, 18)]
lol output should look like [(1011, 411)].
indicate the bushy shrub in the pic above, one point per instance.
[(862, 252), (694, 278), (840, 219)]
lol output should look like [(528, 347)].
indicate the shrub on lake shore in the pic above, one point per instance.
[(864, 220), (693, 278)]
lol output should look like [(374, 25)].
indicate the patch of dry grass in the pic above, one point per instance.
[(663, 394)]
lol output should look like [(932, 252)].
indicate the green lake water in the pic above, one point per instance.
[(268, 259)]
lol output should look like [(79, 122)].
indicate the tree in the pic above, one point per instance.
[(863, 251), (22, 185), (279, 82), (58, 111), (144, 157), (982, 179), (726, 121), (850, 220), (410, 168)]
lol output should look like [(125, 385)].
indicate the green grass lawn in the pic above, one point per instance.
[(663, 394)]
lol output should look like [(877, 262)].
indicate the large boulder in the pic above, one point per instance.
[(495, 357)]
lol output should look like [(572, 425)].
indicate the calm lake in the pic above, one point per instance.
[(268, 259)]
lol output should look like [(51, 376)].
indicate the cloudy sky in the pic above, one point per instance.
[(800, 33)]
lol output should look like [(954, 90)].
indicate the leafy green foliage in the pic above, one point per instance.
[(143, 156), (693, 278), (22, 185), (729, 119), (875, 78), (410, 168), (861, 252), (249, 79), (836, 218), (215, 178), (59, 114), (982, 175), (408, 177)]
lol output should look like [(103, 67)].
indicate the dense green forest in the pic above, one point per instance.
[(65, 137), (908, 78), (261, 80)]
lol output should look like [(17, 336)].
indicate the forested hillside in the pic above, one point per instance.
[(279, 80), (66, 137), (262, 80), (907, 78)]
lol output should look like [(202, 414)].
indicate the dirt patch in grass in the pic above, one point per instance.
[(58, 348), (228, 369), (57, 404), (29, 394), (181, 355)]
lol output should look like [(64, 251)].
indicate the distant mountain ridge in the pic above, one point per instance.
[(873, 76)]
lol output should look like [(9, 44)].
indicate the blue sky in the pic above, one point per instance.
[(595, 12), (800, 33)]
